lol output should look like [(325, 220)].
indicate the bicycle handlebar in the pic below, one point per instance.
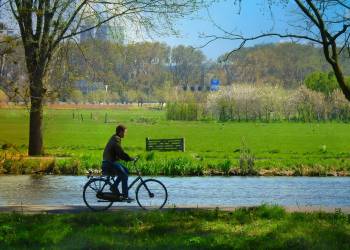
[(138, 172)]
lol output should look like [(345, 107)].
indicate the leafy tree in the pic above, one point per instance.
[(163, 93), (322, 22), (283, 63), (322, 82), (186, 65), (76, 96), (12, 69), (44, 24)]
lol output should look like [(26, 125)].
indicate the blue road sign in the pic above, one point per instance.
[(214, 84)]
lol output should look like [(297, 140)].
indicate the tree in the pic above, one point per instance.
[(144, 67), (44, 24), (186, 65), (12, 68), (325, 23), (280, 63), (163, 93), (322, 82), (76, 96)]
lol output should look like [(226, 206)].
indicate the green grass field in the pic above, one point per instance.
[(264, 227), (211, 147)]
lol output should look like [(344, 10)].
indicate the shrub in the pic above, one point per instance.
[(322, 82), (225, 166), (183, 111), (3, 97), (272, 103), (150, 156), (246, 160)]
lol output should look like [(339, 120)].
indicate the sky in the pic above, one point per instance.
[(253, 19)]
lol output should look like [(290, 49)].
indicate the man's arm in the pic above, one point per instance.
[(121, 153)]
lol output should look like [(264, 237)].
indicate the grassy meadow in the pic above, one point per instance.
[(264, 227), (212, 148)]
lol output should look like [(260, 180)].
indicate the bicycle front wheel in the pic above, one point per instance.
[(92, 189), (151, 194)]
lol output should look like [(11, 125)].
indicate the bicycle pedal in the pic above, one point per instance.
[(128, 200)]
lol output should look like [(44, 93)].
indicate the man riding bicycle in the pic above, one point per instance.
[(112, 154)]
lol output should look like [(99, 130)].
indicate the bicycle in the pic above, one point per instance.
[(99, 192)]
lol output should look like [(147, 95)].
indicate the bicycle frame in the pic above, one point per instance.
[(102, 182), (132, 183), (113, 178)]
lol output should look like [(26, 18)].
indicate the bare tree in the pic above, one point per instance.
[(323, 22), (44, 24)]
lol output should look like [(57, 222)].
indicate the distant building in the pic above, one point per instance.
[(86, 35), (103, 32), (4, 31), (117, 34)]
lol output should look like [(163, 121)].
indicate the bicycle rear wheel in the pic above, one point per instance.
[(151, 194), (94, 187)]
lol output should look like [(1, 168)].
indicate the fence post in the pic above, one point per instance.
[(147, 147), (73, 114), (91, 115), (82, 118), (183, 144), (105, 117)]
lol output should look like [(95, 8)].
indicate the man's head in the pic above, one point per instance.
[(120, 131)]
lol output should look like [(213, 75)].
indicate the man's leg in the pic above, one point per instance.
[(122, 176)]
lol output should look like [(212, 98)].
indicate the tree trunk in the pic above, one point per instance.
[(341, 81), (36, 117)]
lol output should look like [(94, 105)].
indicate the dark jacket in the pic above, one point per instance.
[(114, 151)]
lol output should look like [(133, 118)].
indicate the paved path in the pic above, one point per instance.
[(33, 209)]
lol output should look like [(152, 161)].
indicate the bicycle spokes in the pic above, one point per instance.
[(151, 194), (93, 194)]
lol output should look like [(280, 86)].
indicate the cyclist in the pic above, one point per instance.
[(112, 154)]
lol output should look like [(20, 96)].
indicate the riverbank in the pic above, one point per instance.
[(74, 140), (263, 227), (20, 164)]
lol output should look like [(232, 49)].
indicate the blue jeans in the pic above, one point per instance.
[(120, 170)]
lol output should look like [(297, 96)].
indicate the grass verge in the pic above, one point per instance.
[(264, 227)]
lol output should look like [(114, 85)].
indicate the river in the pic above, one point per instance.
[(190, 191)]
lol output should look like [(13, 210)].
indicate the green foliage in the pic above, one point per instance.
[(225, 166), (322, 82), (187, 64), (139, 72), (285, 64), (77, 96), (150, 156), (263, 227), (246, 160), (183, 111)]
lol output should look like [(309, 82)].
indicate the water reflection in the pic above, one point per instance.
[(217, 191)]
